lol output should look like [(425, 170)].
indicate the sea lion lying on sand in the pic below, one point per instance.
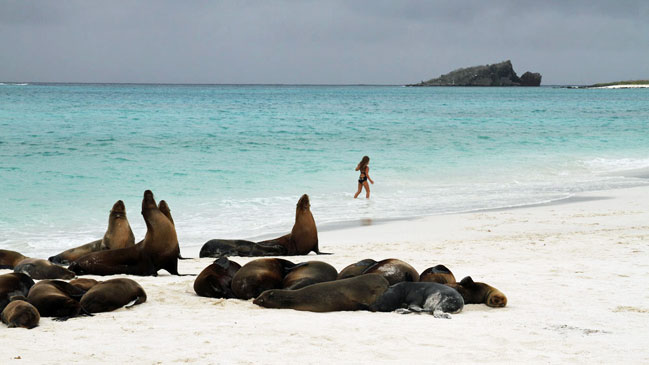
[(394, 271), (478, 293), (302, 239), (42, 269), (406, 297), (215, 281), (20, 313), (13, 285), (308, 273), (356, 293), (112, 294), (437, 274), (55, 298), (355, 269), (259, 275), (9, 259), (118, 235)]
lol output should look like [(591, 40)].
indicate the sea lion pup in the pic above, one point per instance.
[(302, 239), (55, 298), (20, 313), (394, 271), (407, 297), (356, 293), (42, 269), (355, 269), (308, 273), (9, 259), (13, 285), (118, 235), (215, 281), (437, 274), (478, 293), (158, 250), (112, 294), (259, 275), (84, 284)]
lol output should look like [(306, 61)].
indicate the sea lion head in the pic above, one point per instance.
[(148, 201), (269, 299), (496, 298), (484, 293), (303, 203), (119, 210)]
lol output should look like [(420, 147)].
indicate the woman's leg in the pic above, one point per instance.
[(360, 187), (367, 190)]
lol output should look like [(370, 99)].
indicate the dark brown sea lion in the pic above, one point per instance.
[(42, 269), (112, 294), (118, 235), (158, 250), (394, 271), (164, 208), (13, 285), (302, 239), (55, 298), (9, 259), (478, 293), (356, 293), (405, 297), (259, 275), (308, 273), (83, 283), (20, 313), (437, 274), (215, 281), (355, 269)]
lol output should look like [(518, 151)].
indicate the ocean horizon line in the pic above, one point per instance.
[(251, 84)]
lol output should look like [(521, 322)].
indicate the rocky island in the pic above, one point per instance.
[(498, 74)]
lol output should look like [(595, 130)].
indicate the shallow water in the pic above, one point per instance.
[(232, 161)]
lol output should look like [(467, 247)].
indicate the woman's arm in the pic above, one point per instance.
[(367, 173), (358, 167)]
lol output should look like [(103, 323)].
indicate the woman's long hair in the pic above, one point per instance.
[(363, 164)]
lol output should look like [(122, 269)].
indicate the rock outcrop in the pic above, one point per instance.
[(498, 74)]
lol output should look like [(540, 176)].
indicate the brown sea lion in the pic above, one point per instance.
[(42, 269), (9, 259), (259, 275), (164, 208), (356, 293), (478, 293), (394, 271), (118, 235), (355, 269), (20, 313), (158, 250), (406, 297), (437, 274), (302, 239), (83, 283), (13, 285), (308, 273), (112, 294), (55, 298), (215, 281)]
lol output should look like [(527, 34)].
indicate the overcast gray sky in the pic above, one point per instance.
[(319, 42)]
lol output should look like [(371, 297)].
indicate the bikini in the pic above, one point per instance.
[(363, 177)]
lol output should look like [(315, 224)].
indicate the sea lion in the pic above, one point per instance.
[(83, 283), (302, 239), (478, 293), (112, 294), (308, 273), (164, 208), (437, 274), (259, 275), (356, 293), (14, 285), (9, 259), (42, 269), (215, 280), (20, 313), (394, 271), (158, 250), (355, 269), (118, 235), (55, 298), (406, 297)]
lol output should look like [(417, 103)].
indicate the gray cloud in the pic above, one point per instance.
[(377, 41)]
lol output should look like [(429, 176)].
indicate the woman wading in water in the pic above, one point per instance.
[(365, 175)]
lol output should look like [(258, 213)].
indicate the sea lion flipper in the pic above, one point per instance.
[(132, 303), (438, 313)]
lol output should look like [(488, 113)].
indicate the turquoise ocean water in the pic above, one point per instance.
[(232, 161)]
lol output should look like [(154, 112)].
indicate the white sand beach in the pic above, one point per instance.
[(576, 276)]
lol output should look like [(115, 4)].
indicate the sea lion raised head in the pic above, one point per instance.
[(164, 208), (437, 274), (20, 313), (478, 293), (304, 235), (160, 243)]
